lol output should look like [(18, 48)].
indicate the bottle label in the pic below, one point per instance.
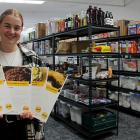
[(69, 24), (65, 25), (111, 22), (107, 21)]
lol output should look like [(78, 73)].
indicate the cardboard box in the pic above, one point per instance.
[(78, 47), (123, 24), (40, 30), (64, 47)]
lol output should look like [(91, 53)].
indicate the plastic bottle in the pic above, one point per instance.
[(107, 19), (111, 19)]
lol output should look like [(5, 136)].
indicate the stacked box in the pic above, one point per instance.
[(80, 46), (40, 30), (64, 47), (123, 24)]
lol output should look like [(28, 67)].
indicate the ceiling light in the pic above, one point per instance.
[(23, 1)]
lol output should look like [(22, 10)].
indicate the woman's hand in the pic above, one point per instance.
[(26, 115), (1, 116)]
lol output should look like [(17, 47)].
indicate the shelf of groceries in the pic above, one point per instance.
[(84, 44)]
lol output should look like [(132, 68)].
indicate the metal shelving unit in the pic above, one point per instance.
[(76, 33), (128, 73), (80, 32)]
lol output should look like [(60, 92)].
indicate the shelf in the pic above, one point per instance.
[(75, 32), (25, 42), (119, 38), (129, 111), (82, 105), (79, 32), (81, 129), (83, 31), (122, 89), (48, 37), (126, 73), (45, 55), (87, 81), (130, 55), (129, 37), (99, 55), (94, 55)]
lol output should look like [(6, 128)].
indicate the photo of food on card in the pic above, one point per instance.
[(17, 76), (39, 76), (55, 81)]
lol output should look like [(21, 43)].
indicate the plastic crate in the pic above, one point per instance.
[(99, 120)]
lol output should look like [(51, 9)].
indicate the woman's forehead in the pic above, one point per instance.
[(11, 19)]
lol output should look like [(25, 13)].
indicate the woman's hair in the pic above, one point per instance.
[(13, 12)]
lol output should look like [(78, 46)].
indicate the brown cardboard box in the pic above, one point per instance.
[(77, 47), (47, 28), (40, 30), (123, 24), (64, 47)]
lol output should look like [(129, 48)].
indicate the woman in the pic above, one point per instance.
[(24, 126)]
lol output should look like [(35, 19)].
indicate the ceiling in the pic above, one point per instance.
[(56, 8)]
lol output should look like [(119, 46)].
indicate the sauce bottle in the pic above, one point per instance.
[(94, 16), (89, 14)]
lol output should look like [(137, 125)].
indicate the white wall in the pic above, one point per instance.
[(54, 9), (130, 11)]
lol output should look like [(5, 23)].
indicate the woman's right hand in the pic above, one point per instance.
[(26, 115), (1, 116)]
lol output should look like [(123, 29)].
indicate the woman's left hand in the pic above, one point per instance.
[(26, 115)]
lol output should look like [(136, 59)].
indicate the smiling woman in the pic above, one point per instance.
[(22, 126), (10, 29)]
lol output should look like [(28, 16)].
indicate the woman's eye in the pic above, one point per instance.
[(7, 26), (17, 28)]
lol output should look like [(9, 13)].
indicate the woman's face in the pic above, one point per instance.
[(10, 30)]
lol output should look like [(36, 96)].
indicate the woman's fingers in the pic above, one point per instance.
[(1, 116), (26, 115)]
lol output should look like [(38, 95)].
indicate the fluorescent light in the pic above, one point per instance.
[(22, 1)]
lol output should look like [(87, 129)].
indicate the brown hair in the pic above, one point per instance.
[(14, 12)]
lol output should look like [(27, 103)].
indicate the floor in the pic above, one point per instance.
[(129, 129)]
